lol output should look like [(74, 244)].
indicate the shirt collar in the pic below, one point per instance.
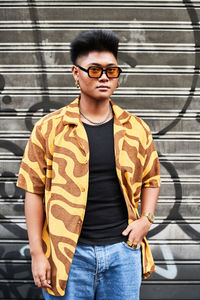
[(72, 114)]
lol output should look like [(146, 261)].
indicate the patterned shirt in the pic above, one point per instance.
[(56, 165)]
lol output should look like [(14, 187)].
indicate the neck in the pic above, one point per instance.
[(94, 108)]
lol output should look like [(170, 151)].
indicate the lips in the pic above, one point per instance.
[(103, 87)]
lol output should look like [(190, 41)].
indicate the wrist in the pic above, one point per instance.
[(150, 216), (36, 251), (146, 221)]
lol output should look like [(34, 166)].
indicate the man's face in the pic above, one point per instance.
[(96, 88)]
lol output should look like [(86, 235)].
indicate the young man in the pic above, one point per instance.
[(84, 170)]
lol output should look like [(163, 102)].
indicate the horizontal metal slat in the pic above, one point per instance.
[(56, 57), (59, 3), (189, 211), (121, 92), (15, 104), (15, 270), (59, 38), (165, 146), (184, 168), (17, 230), (146, 81)]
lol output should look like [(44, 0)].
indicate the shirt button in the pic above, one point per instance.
[(82, 189)]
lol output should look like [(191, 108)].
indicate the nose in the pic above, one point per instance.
[(103, 76)]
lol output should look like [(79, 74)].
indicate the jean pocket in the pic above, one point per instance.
[(131, 248)]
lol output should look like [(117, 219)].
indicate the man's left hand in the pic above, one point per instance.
[(137, 230)]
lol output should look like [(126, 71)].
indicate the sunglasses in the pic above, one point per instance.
[(97, 71)]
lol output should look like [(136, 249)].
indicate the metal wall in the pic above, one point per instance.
[(160, 54)]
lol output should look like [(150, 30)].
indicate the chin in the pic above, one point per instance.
[(103, 95), (98, 95)]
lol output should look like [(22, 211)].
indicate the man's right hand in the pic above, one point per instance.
[(41, 271)]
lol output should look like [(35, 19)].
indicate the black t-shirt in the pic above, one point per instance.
[(106, 213)]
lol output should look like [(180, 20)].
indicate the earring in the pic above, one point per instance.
[(118, 84), (77, 84)]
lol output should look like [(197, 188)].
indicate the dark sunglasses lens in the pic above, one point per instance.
[(113, 72), (94, 72)]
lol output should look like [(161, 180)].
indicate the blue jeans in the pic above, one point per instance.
[(108, 272)]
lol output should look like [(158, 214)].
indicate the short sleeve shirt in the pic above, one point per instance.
[(56, 165)]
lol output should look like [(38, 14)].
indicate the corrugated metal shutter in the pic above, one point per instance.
[(160, 54)]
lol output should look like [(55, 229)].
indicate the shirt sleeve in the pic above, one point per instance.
[(151, 170), (32, 173)]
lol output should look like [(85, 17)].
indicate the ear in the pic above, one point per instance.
[(75, 72)]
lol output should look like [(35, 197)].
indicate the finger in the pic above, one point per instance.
[(45, 284), (131, 237), (48, 276), (134, 238), (42, 279), (127, 230), (45, 281), (133, 244), (37, 281), (136, 244)]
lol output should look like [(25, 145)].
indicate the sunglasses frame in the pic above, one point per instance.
[(102, 71)]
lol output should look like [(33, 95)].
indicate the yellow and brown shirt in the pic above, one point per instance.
[(56, 164)]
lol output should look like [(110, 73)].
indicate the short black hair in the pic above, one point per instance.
[(93, 40)]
